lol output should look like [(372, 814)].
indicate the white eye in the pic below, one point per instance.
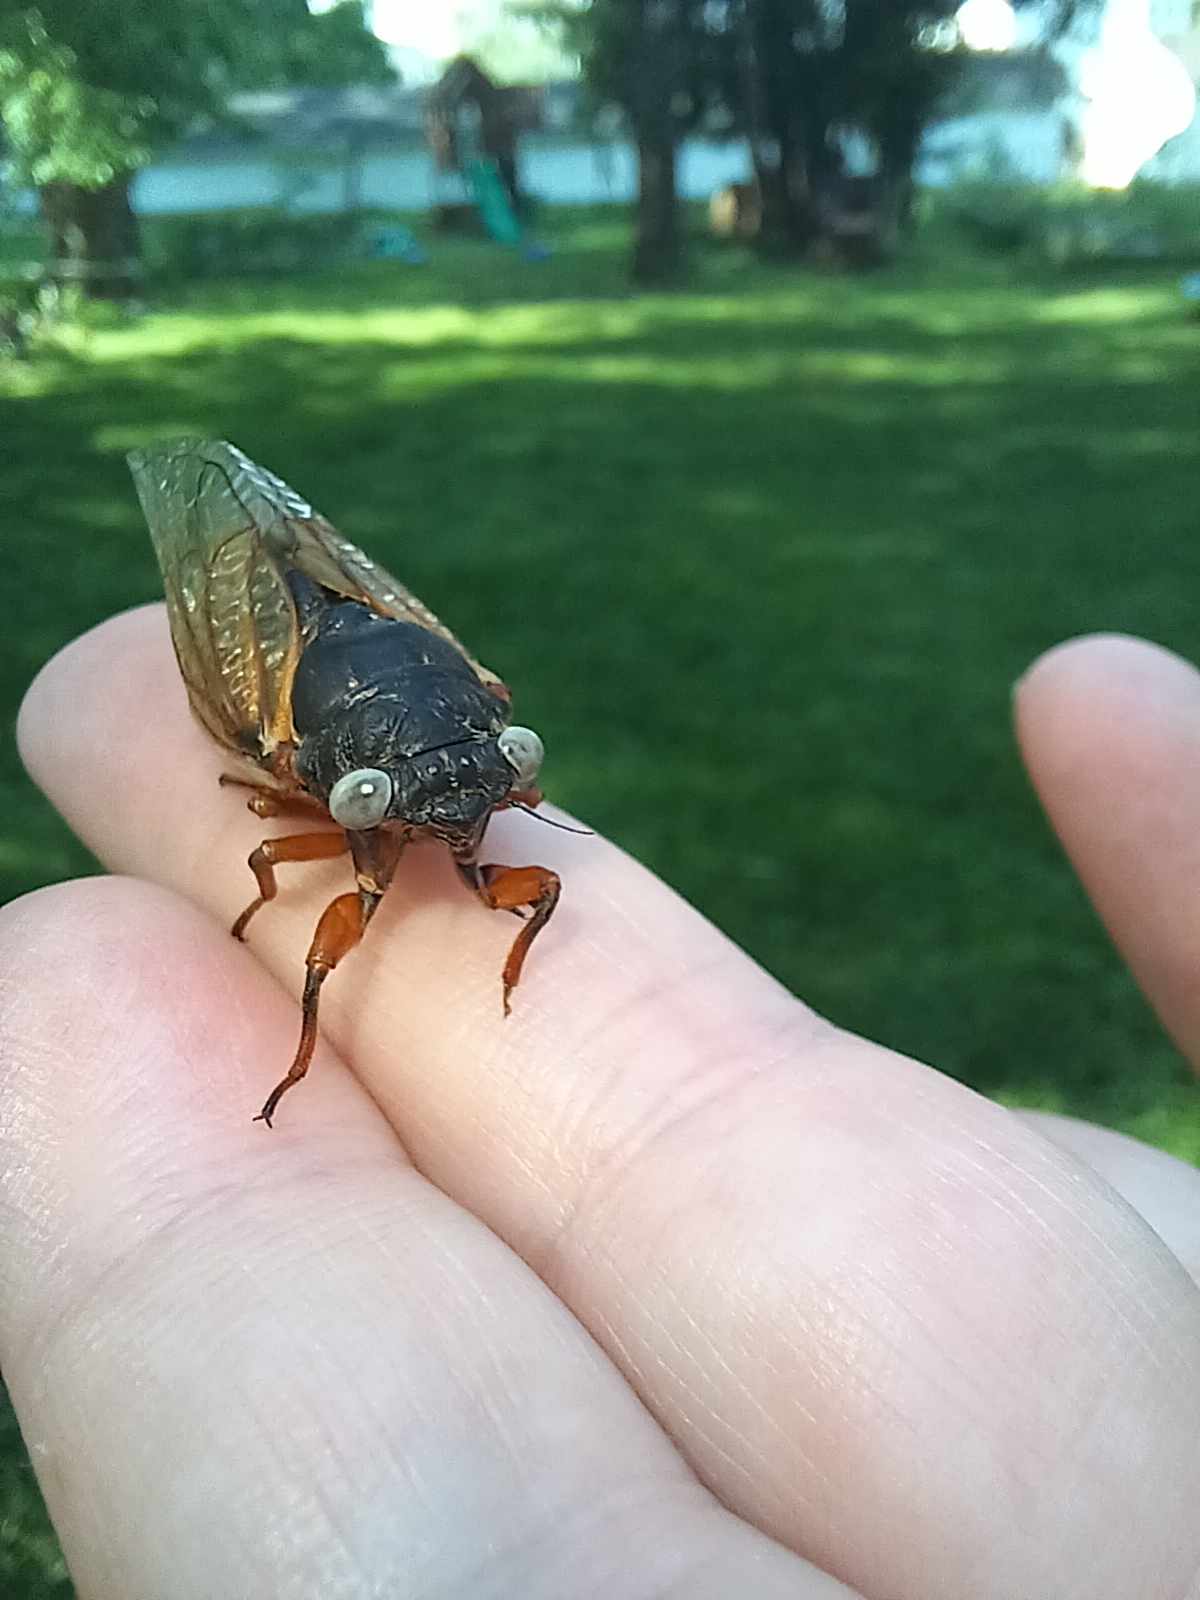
[(360, 799), (523, 751)]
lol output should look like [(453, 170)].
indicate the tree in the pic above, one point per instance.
[(801, 79), (820, 70), (655, 84), (654, 59), (91, 89), (329, 48), (813, 73), (511, 47)]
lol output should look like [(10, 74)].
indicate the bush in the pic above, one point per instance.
[(29, 307), (998, 217), (1068, 223), (16, 317), (231, 244)]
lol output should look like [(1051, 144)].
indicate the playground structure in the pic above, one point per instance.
[(472, 126)]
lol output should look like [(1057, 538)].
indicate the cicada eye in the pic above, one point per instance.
[(523, 751), (360, 799)]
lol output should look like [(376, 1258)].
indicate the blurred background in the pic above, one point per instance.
[(761, 383)]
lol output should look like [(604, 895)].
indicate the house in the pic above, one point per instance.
[(326, 150)]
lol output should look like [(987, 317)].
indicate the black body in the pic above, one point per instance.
[(371, 691)]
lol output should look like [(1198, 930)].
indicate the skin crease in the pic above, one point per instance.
[(687, 1293)]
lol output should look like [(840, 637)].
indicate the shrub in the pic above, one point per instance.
[(230, 244), (1069, 224)]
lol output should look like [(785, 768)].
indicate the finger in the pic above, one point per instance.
[(1166, 1192), (1110, 731), (817, 1262), (256, 1366)]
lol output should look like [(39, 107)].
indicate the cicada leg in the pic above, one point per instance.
[(339, 930), (376, 853), (515, 889), (267, 802), (292, 847)]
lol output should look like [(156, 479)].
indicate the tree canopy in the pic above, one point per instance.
[(88, 91), (806, 81)]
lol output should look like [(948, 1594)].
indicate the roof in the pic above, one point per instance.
[(307, 119), (310, 119)]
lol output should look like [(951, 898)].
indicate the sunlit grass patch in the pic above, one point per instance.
[(762, 559)]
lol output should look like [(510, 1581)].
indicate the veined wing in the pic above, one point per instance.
[(225, 531)]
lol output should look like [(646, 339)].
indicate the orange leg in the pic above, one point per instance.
[(512, 889), (293, 847), (265, 801), (339, 930)]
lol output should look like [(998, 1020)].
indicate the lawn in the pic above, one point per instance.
[(762, 559)]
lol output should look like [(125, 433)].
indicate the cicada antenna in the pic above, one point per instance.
[(519, 805)]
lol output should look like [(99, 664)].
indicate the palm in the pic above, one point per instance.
[(661, 1287)]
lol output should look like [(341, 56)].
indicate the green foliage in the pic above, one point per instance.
[(996, 215), (691, 42), (791, 72), (267, 241), (849, 61), (28, 306), (89, 90), (1070, 224), (332, 47), (872, 66), (59, 127), (31, 1567), (23, 241), (30, 309)]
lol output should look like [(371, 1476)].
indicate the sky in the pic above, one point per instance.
[(423, 34), (430, 26), (434, 28), (1135, 93)]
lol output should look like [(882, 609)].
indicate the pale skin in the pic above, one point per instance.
[(661, 1287)]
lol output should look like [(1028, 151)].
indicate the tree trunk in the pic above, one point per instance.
[(779, 137), (94, 238), (898, 158), (782, 166), (658, 246)]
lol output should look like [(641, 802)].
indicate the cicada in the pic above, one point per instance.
[(343, 697)]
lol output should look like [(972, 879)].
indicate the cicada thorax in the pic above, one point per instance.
[(372, 693)]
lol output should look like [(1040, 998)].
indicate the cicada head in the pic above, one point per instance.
[(448, 792)]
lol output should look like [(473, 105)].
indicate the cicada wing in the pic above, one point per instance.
[(226, 530), (213, 517)]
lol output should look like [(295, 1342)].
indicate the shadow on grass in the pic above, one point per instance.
[(832, 521), (761, 560)]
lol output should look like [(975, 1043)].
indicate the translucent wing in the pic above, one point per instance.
[(225, 531)]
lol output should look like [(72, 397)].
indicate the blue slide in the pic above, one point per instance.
[(490, 195)]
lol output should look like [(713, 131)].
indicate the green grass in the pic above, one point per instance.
[(762, 559)]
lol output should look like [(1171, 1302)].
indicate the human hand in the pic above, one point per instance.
[(663, 1287)]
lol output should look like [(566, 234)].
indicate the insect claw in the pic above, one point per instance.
[(239, 928)]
